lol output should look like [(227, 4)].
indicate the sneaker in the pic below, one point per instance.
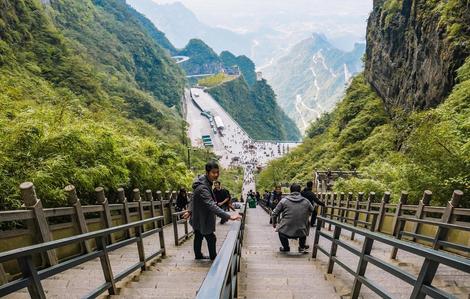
[(306, 247), (303, 250), (282, 249), (202, 257)]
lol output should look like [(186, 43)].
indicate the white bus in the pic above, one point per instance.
[(219, 123)]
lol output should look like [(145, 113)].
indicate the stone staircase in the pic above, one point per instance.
[(178, 275), (267, 273)]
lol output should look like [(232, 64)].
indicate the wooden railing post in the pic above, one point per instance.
[(160, 199), (137, 198), (106, 265), (332, 204), (333, 249), (140, 246), (149, 197), (174, 196), (79, 216), (3, 275), (370, 199), (175, 228), (162, 237), (398, 225), (31, 202), (342, 197), (425, 277), (103, 201), (382, 209), (317, 237), (361, 267), (28, 270), (127, 217), (360, 197), (447, 217), (420, 211), (168, 200), (346, 212)]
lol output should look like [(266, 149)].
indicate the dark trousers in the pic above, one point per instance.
[(210, 239), (285, 241), (313, 219)]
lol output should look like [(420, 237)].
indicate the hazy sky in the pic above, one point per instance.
[(246, 14)]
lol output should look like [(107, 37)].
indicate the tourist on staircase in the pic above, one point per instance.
[(222, 197), (274, 199), (203, 210), (308, 194), (182, 200), (295, 210)]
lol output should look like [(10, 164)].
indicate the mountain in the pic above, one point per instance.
[(84, 90), (130, 50), (181, 25), (246, 66), (403, 123), (255, 109), (312, 77), (203, 60)]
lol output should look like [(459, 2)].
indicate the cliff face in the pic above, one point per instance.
[(413, 50)]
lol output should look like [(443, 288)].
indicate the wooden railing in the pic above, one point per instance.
[(39, 225), (422, 284), (442, 228), (178, 220), (31, 276)]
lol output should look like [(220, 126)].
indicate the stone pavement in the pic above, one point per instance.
[(267, 273), (178, 275)]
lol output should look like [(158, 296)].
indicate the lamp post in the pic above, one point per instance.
[(189, 158)]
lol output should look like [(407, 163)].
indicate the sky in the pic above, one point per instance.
[(246, 15)]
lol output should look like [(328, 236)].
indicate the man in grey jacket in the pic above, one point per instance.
[(295, 211), (203, 210)]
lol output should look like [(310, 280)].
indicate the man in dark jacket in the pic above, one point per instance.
[(203, 210), (308, 194), (222, 197), (295, 210)]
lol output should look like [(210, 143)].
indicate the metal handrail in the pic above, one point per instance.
[(422, 285), (222, 279), (32, 277)]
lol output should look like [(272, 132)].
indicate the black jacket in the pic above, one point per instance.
[(308, 194), (182, 201), (204, 208)]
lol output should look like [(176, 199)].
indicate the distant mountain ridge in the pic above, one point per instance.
[(181, 25), (312, 77)]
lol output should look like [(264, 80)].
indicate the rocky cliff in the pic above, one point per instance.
[(414, 48)]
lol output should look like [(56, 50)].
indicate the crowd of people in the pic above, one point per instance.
[(241, 150)]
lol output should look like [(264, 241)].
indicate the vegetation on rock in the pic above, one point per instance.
[(426, 150)]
